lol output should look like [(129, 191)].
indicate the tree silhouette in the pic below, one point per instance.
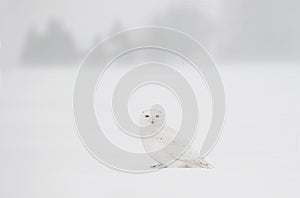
[(55, 46)]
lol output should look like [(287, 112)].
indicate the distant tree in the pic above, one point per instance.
[(55, 46)]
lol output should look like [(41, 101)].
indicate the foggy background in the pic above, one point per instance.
[(255, 45)]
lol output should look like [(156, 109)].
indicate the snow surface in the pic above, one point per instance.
[(258, 154)]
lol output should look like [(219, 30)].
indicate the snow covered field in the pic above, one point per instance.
[(258, 154)]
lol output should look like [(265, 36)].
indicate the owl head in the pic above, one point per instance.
[(151, 117)]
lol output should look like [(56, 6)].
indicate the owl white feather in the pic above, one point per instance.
[(153, 122)]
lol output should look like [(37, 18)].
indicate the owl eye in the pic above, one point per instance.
[(147, 116)]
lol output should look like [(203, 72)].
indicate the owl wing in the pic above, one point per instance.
[(191, 156)]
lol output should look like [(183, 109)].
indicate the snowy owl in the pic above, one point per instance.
[(153, 122)]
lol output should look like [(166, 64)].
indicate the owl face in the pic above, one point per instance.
[(151, 117)]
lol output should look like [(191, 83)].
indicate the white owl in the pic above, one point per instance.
[(152, 121)]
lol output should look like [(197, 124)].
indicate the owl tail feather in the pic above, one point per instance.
[(199, 163)]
